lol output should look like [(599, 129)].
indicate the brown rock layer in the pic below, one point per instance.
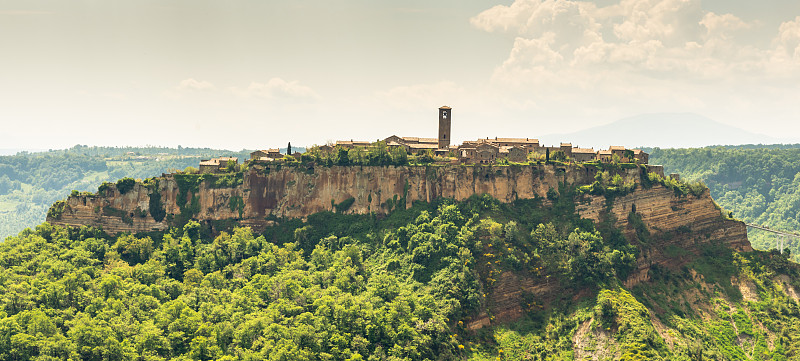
[(679, 225), (296, 192)]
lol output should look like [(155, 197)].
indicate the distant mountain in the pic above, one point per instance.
[(665, 130)]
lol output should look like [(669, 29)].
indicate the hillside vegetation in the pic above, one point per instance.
[(405, 287), (759, 184), (31, 182)]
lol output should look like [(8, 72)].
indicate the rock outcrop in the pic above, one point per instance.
[(296, 192), (679, 224)]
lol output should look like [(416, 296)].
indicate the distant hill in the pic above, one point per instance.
[(665, 130)]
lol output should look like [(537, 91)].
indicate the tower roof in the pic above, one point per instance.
[(444, 107)]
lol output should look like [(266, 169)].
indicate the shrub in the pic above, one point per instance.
[(57, 209), (344, 205), (125, 184)]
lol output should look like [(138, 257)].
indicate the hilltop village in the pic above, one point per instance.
[(439, 150)]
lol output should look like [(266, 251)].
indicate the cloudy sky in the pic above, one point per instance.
[(253, 74)]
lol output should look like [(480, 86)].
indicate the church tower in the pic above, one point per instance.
[(444, 126)]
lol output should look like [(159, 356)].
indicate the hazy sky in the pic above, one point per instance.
[(255, 74)]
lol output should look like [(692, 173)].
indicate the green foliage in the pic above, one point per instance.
[(31, 182), (344, 205), (125, 184), (156, 208), (115, 212), (188, 186), (229, 180), (236, 203), (637, 338), (642, 233), (609, 184), (57, 210), (758, 184), (348, 286)]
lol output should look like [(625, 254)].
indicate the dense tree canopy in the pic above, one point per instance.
[(760, 185)]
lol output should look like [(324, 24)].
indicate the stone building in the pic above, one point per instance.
[(273, 153), (581, 155), (259, 154), (618, 151), (350, 144), (604, 155), (216, 165), (517, 154), (486, 153), (640, 156)]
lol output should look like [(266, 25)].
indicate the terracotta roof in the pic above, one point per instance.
[(273, 150), (420, 140), (583, 151), (616, 147), (515, 140), (352, 142), (423, 146), (603, 152), (566, 145), (225, 159), (444, 107), (637, 151), (210, 162)]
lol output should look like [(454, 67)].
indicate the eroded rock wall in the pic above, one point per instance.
[(296, 192), (679, 227), (679, 224)]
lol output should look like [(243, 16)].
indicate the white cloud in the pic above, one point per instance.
[(789, 39), (277, 88), (574, 57), (723, 23), (192, 84)]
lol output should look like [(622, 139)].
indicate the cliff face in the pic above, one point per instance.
[(679, 225), (296, 192)]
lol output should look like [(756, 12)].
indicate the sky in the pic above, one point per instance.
[(258, 74)]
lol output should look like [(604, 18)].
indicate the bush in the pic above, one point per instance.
[(125, 184), (57, 209), (344, 205)]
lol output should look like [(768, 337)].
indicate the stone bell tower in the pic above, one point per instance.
[(444, 126)]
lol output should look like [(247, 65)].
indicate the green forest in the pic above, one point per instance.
[(407, 286), (31, 182), (759, 184), (403, 287)]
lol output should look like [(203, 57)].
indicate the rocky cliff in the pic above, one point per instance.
[(677, 225), (266, 192)]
